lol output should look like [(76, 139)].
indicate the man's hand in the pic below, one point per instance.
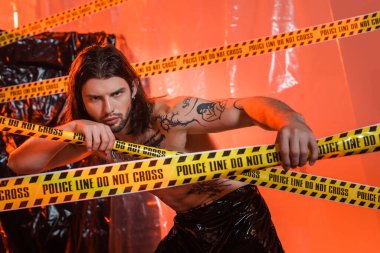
[(99, 137), (295, 140)]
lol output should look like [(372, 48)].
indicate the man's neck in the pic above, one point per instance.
[(124, 136)]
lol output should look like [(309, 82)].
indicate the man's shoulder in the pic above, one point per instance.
[(159, 105), (163, 105)]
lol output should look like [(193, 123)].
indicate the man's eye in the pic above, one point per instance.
[(117, 93), (94, 98)]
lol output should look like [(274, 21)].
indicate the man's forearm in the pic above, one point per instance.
[(271, 113), (35, 154)]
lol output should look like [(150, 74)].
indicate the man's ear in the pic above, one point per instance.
[(135, 84)]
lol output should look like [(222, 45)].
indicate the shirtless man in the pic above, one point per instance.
[(106, 102)]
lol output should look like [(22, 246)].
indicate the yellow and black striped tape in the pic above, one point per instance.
[(122, 178), (338, 29), (311, 35), (314, 186), (45, 132), (34, 89), (58, 19)]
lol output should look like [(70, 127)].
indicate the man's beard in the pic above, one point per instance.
[(123, 122), (121, 125)]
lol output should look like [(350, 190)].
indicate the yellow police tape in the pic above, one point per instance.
[(58, 19), (34, 89), (238, 163), (45, 132), (314, 186), (338, 29)]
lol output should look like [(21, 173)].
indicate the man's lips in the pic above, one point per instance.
[(111, 120)]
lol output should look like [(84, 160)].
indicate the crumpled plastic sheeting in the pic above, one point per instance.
[(54, 228), (284, 64), (50, 50), (235, 21)]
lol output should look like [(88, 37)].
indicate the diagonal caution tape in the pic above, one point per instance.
[(45, 132), (33, 89), (58, 19), (314, 186), (121, 178), (311, 35)]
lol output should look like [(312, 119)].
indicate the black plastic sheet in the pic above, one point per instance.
[(72, 227)]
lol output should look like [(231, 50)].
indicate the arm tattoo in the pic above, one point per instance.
[(186, 102), (171, 120), (211, 111)]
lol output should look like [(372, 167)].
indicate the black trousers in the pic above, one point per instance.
[(238, 222)]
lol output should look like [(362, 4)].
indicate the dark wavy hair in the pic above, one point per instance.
[(103, 62)]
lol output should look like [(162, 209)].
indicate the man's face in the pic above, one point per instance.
[(108, 101)]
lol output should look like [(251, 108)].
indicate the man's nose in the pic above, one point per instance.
[(107, 106)]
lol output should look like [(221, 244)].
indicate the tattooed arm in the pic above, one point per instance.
[(196, 115)]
